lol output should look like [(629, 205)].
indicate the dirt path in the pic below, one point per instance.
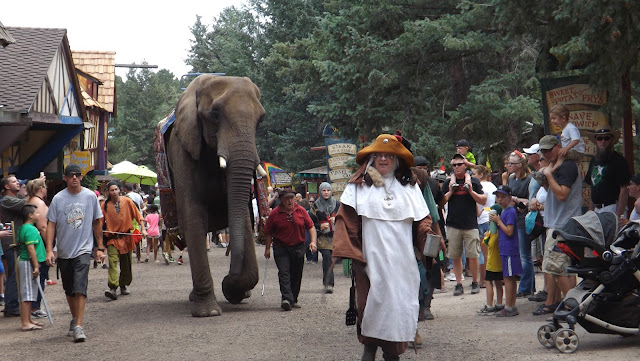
[(154, 323)]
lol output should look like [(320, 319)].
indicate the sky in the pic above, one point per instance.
[(137, 30)]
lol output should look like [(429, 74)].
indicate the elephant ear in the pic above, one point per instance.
[(187, 127)]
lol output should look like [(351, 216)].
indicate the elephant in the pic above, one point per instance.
[(212, 156)]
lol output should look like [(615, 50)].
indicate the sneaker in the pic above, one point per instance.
[(39, 314), (499, 308), (104, 266), (541, 296), (172, 260), (450, 277), (180, 261), (165, 255), (459, 290), (524, 294), (111, 293), (51, 282), (124, 291), (78, 335), (440, 290), (72, 327), (508, 313), (295, 305), (474, 288), (285, 305), (1, 300), (486, 311), (328, 289)]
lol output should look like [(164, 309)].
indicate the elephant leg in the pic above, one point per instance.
[(238, 287), (192, 217)]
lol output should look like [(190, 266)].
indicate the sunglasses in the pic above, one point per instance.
[(605, 138), (512, 163), (74, 174), (457, 164)]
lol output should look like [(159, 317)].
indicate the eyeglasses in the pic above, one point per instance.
[(74, 174), (605, 138), (457, 164), (512, 163), (387, 156)]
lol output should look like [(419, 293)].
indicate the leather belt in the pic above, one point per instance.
[(602, 205)]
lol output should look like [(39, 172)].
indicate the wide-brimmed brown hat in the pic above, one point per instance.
[(386, 143), (604, 129)]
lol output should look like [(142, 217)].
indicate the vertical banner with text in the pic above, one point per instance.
[(339, 153), (584, 104)]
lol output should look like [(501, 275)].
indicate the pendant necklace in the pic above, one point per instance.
[(117, 205), (388, 198)]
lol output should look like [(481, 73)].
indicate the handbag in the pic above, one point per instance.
[(352, 313)]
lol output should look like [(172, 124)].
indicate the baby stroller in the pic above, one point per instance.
[(608, 298)]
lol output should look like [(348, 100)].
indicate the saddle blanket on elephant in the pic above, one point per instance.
[(167, 196)]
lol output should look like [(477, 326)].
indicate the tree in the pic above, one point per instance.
[(144, 99)]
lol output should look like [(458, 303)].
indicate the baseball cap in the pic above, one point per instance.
[(72, 168), (504, 190), (547, 142), (420, 160), (462, 143), (533, 149)]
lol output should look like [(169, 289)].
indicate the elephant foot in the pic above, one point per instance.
[(236, 288), (205, 309), (206, 306)]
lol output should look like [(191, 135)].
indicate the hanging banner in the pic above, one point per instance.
[(584, 104), (339, 153), (276, 176)]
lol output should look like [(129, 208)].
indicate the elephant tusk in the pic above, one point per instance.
[(223, 162), (261, 171)]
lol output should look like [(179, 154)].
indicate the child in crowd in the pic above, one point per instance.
[(570, 139), (493, 273), (32, 252), (509, 248), (462, 148), (153, 231)]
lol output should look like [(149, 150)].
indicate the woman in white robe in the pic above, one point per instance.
[(383, 204)]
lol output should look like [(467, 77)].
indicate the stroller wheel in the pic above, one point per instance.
[(566, 340), (545, 335)]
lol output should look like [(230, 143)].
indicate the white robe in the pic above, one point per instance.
[(391, 312)]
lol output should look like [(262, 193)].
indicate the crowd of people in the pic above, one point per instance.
[(495, 228)]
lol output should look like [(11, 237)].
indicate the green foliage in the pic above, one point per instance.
[(90, 181), (438, 70), (143, 100)]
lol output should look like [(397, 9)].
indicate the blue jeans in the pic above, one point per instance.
[(44, 276), (482, 228), (311, 256), (527, 279), (11, 303)]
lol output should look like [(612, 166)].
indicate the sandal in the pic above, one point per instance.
[(545, 309)]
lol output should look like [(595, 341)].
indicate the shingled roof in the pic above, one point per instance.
[(5, 37), (101, 65), (24, 65)]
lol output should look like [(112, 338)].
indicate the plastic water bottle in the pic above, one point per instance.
[(493, 226)]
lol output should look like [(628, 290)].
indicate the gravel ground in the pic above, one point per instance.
[(154, 323)]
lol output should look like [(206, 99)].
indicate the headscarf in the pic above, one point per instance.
[(325, 206)]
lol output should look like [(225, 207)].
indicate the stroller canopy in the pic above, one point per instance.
[(597, 230)]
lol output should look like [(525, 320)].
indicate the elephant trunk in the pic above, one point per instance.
[(239, 175)]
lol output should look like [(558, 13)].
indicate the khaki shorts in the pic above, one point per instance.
[(470, 238), (554, 262)]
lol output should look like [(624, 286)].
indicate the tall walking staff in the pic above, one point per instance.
[(16, 250), (46, 305)]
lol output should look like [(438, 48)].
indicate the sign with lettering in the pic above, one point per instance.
[(584, 103), (340, 152), (81, 158)]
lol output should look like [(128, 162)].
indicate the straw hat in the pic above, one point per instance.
[(386, 143)]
